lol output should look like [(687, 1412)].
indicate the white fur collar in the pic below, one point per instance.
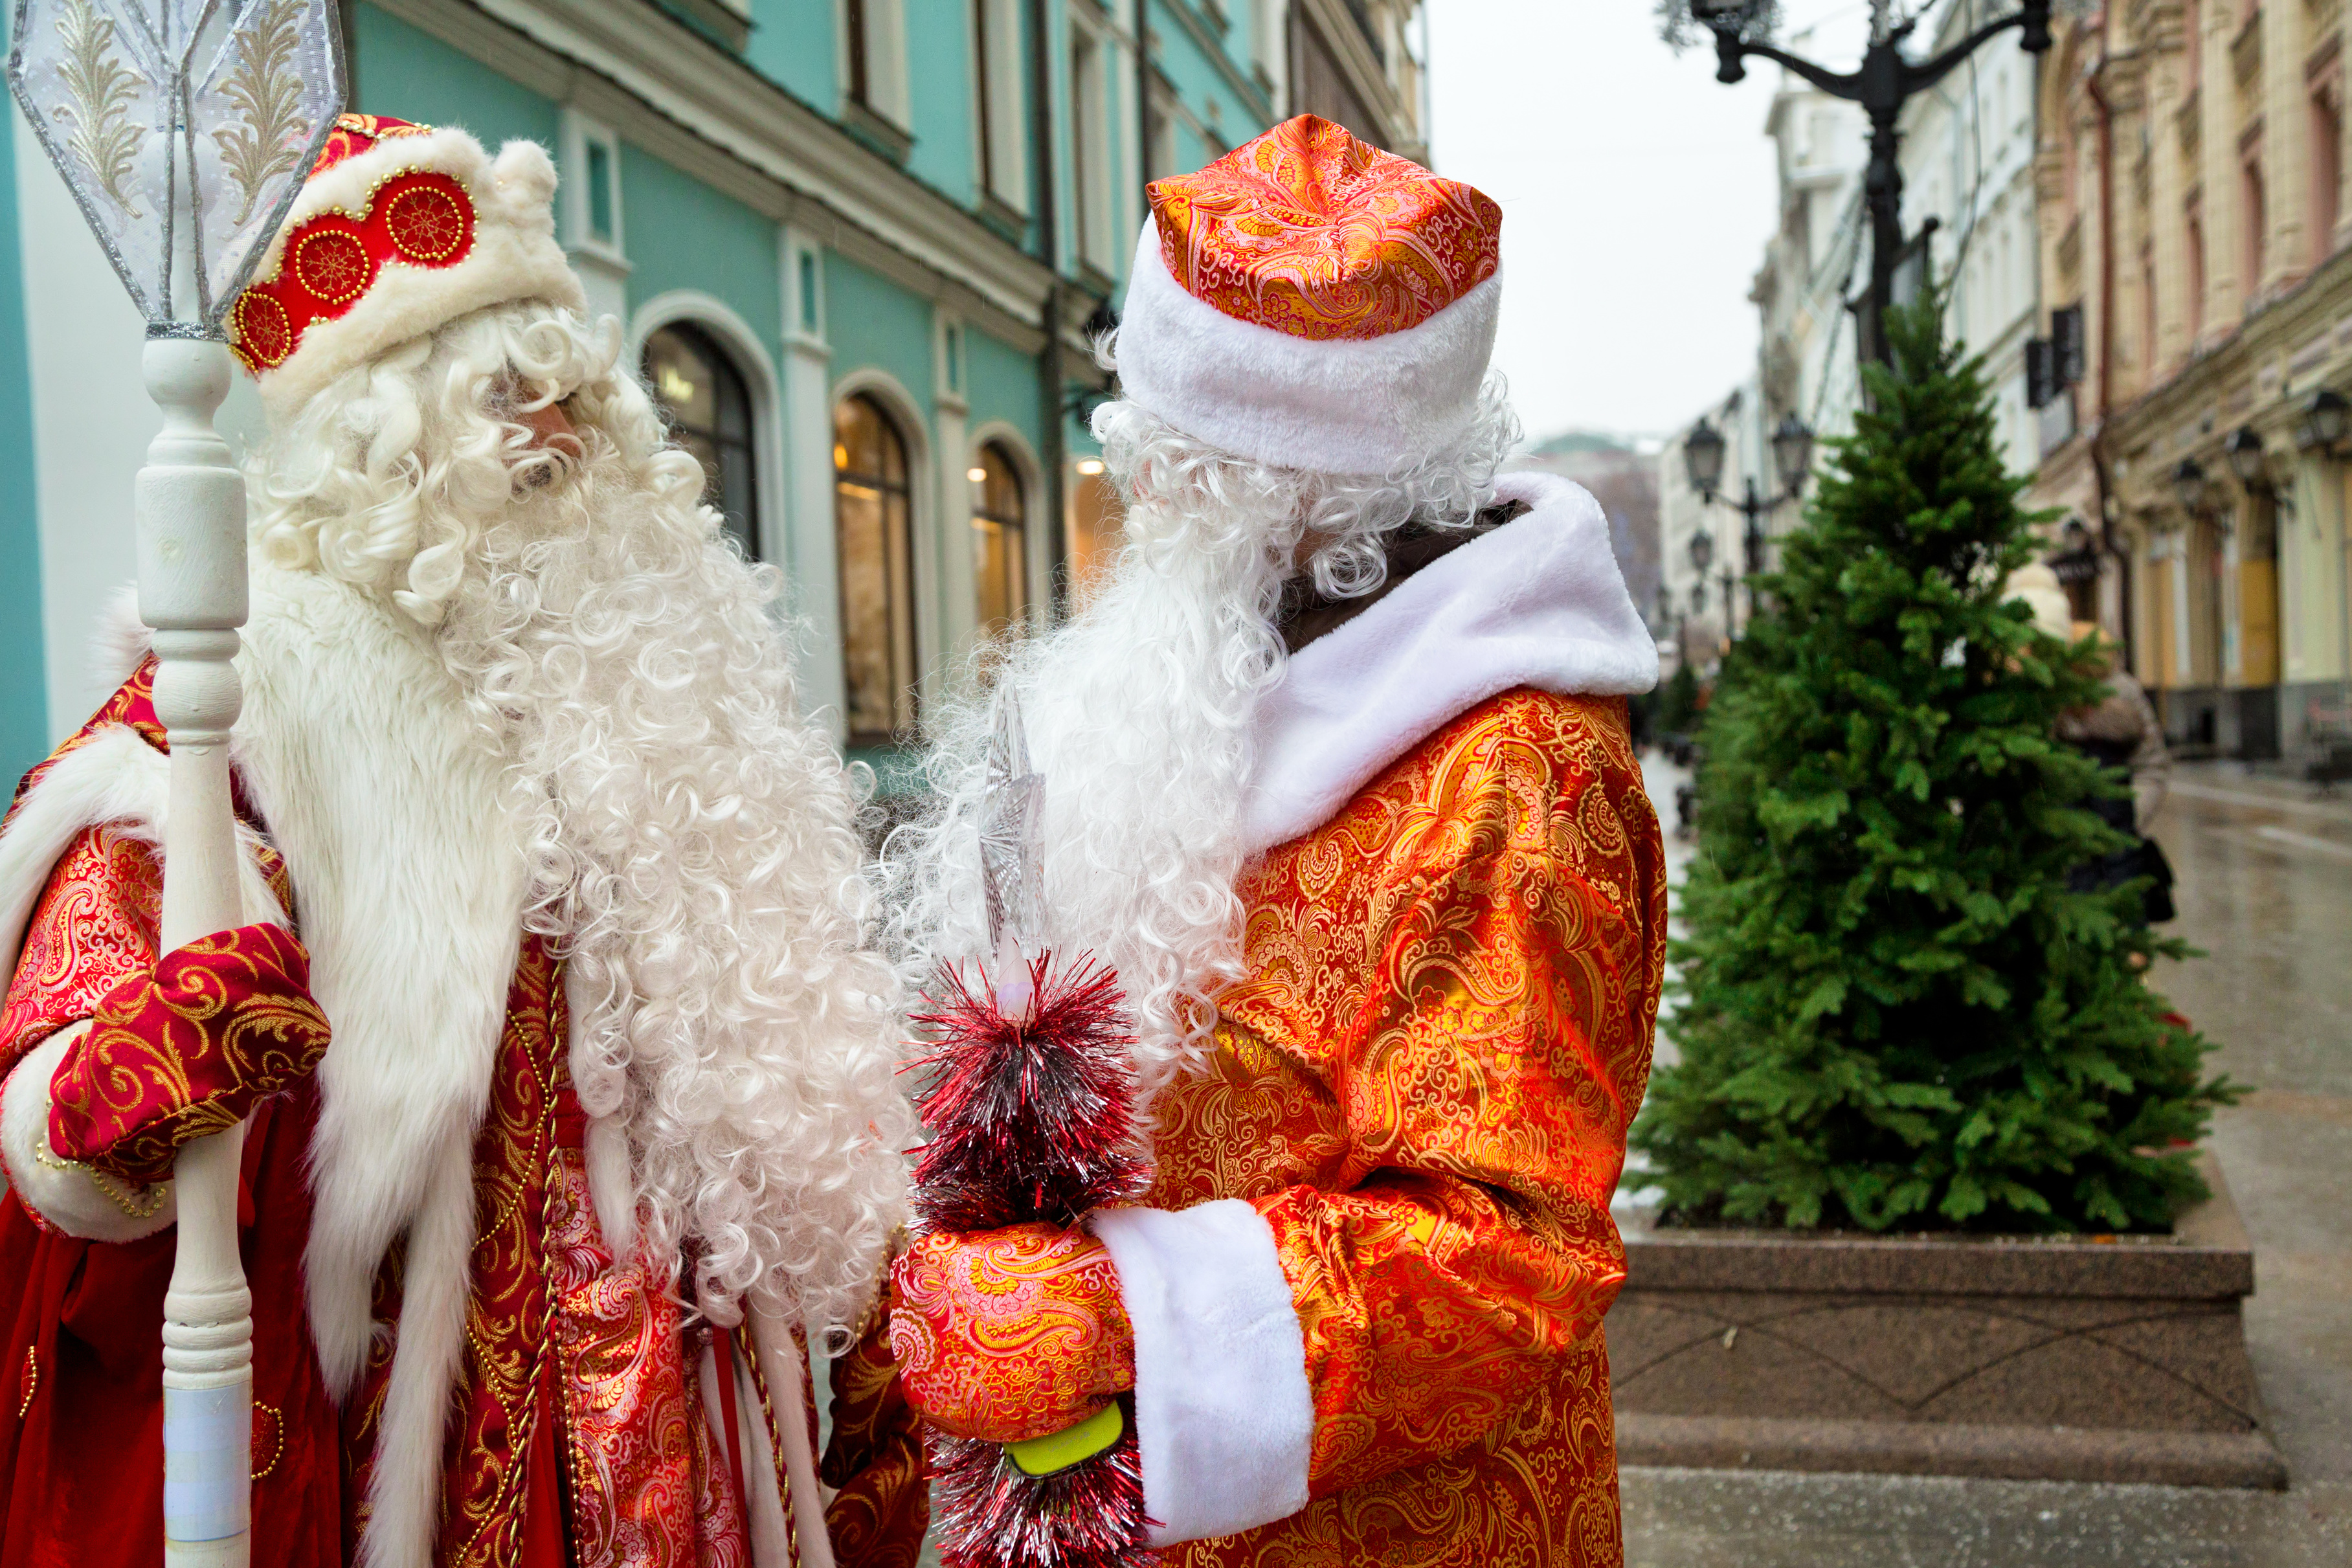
[(1538, 603)]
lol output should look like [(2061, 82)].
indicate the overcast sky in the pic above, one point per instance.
[(1637, 192)]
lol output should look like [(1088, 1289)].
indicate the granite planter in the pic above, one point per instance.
[(2119, 1360)]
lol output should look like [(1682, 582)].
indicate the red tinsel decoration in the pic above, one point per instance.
[(1032, 1118)]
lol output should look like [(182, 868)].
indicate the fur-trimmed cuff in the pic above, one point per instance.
[(58, 1192), (1224, 1416)]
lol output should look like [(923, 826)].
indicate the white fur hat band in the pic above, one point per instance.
[(1311, 301), (399, 230)]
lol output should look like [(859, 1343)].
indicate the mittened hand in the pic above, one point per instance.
[(1006, 1335), (185, 1051)]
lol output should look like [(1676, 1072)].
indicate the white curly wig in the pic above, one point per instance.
[(690, 839), (1138, 711)]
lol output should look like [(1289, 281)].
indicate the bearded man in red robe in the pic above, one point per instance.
[(1336, 776), (570, 1084)]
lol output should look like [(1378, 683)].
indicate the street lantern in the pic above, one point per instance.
[(2243, 448), (184, 128), (1792, 451), (1701, 551), (1703, 458), (2190, 484), (2325, 418)]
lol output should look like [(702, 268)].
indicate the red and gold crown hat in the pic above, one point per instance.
[(399, 229), (1311, 302)]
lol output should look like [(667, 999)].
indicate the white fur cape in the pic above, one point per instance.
[(1538, 602)]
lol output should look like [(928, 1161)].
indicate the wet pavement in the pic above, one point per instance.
[(2265, 887)]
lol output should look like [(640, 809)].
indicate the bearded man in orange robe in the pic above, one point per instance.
[(569, 1086), (1336, 776)]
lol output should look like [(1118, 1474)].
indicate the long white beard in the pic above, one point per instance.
[(691, 848), (1138, 718)]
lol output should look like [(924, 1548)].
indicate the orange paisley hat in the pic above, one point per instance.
[(400, 230), (1312, 301)]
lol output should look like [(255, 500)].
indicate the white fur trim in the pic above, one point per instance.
[(122, 640), (355, 747), (1537, 602), (114, 779), (1224, 1416), (63, 1193), (1338, 406), (514, 256)]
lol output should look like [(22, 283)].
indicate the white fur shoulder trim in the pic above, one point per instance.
[(1224, 1416), (1537, 602), (72, 1197)]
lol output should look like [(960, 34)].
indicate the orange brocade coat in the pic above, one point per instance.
[(1423, 1084)]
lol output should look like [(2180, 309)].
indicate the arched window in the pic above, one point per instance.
[(709, 408), (1000, 542), (871, 511)]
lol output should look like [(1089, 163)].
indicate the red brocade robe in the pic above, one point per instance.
[(1423, 1086), (580, 1434)]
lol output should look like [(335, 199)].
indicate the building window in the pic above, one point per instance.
[(708, 405), (873, 518), (998, 100), (1091, 546), (2196, 274), (1000, 542), (2257, 230), (861, 75), (1090, 142), (2326, 131)]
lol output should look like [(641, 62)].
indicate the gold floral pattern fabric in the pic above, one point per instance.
[(1309, 231), (1424, 1083), (186, 1050), (1010, 1334), (93, 929), (649, 1489)]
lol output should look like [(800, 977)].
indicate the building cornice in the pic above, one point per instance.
[(692, 104), (2258, 376)]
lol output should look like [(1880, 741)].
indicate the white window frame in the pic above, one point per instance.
[(885, 58), (1094, 196), (1004, 172)]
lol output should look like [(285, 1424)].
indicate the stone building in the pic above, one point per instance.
[(2192, 212), (856, 245)]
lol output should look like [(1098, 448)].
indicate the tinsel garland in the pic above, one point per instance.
[(1032, 1114)]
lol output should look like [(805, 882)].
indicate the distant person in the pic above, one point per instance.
[(2122, 732)]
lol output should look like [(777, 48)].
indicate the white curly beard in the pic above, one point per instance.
[(692, 849)]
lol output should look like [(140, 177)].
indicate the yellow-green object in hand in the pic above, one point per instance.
[(1059, 1451)]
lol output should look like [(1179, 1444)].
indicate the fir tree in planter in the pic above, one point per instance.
[(1891, 1011)]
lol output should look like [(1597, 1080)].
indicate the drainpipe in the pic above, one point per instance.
[(2099, 457), (1054, 455)]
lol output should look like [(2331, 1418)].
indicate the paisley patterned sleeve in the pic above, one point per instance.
[(1486, 1061), (186, 1050), (92, 929), (882, 1503)]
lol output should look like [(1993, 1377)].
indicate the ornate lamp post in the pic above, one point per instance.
[(184, 128), (1792, 460), (1883, 84)]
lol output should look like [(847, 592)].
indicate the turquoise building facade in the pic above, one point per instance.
[(859, 249)]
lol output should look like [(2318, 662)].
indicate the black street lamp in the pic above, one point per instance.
[(2325, 419), (2190, 484), (1792, 458), (2243, 448), (1883, 84)]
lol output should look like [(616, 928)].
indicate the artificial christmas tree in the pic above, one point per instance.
[(1892, 1012)]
